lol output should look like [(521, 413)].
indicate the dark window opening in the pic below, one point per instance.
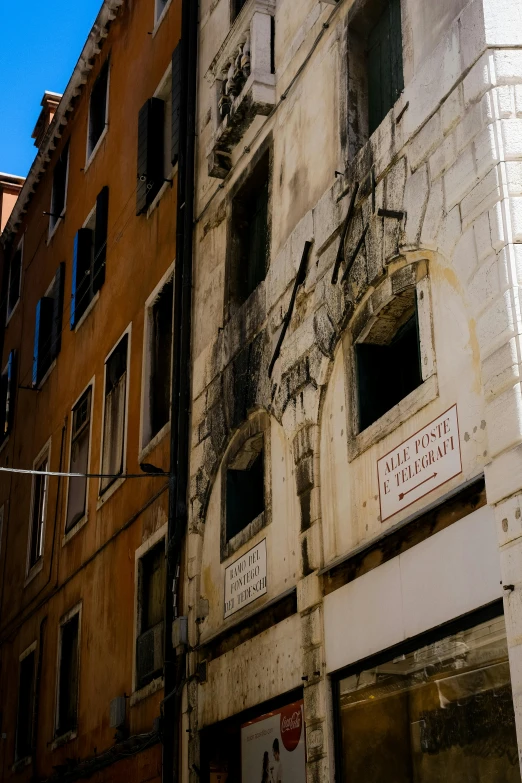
[(388, 362), (151, 145), (14, 281), (67, 718), (40, 484), (79, 461), (245, 487), (375, 68), (98, 107), (237, 5), (24, 723), (149, 645), (161, 347), (250, 230), (59, 187), (7, 391), (48, 327), (89, 257), (114, 412)]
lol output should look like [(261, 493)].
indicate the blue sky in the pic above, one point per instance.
[(41, 43)]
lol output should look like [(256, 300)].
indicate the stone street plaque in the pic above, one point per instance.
[(420, 464), (245, 579)]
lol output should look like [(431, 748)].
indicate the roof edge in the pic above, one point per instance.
[(78, 78)]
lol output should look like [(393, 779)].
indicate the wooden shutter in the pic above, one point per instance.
[(176, 102), (385, 73), (42, 338), (80, 274), (58, 288), (150, 153), (100, 239)]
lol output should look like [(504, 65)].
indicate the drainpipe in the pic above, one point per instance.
[(174, 667)]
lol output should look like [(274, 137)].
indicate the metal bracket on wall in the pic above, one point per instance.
[(390, 213), (301, 277), (344, 232)]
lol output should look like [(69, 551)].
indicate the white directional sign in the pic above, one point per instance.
[(420, 464), (245, 579)]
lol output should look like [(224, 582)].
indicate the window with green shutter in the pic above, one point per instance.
[(385, 74)]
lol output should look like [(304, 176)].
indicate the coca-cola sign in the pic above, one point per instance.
[(291, 726)]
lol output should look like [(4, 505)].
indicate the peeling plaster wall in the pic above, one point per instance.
[(448, 156)]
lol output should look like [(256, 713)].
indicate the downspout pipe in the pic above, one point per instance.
[(174, 666)]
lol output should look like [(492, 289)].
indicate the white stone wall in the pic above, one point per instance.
[(449, 155)]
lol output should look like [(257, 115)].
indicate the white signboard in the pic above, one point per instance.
[(420, 464), (245, 580), (273, 747)]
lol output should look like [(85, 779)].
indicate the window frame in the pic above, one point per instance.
[(53, 226), (169, 170), (60, 275), (158, 18), (90, 154), (11, 358), (61, 739), (32, 569), (10, 312), (148, 443), (107, 493), (418, 273), (138, 694), (23, 761), (68, 534), (259, 423), (90, 223)]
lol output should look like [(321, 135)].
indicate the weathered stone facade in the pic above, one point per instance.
[(437, 211)]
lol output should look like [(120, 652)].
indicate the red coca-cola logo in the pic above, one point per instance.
[(291, 726)]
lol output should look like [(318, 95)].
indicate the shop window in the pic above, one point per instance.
[(443, 711), (389, 359), (14, 279), (59, 192), (38, 511), (113, 441), (25, 716), (48, 327), (245, 500), (98, 109), (375, 68), (68, 674), (79, 460), (250, 233), (151, 609), (157, 361), (7, 395), (89, 257), (158, 137)]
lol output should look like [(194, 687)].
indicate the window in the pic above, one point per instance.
[(48, 327), (68, 674), (389, 360), (98, 109), (250, 233), (38, 511), (375, 70), (237, 5), (160, 6), (7, 396), (151, 608), (157, 362), (439, 712), (158, 137), (24, 722), (245, 498), (89, 257), (79, 460), (14, 280), (113, 442), (59, 193)]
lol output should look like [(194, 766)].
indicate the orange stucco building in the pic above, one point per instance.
[(87, 302)]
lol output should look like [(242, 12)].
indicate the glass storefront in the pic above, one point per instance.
[(441, 714)]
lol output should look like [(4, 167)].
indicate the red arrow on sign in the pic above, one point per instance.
[(402, 495)]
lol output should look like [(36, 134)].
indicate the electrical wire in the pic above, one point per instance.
[(152, 474)]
